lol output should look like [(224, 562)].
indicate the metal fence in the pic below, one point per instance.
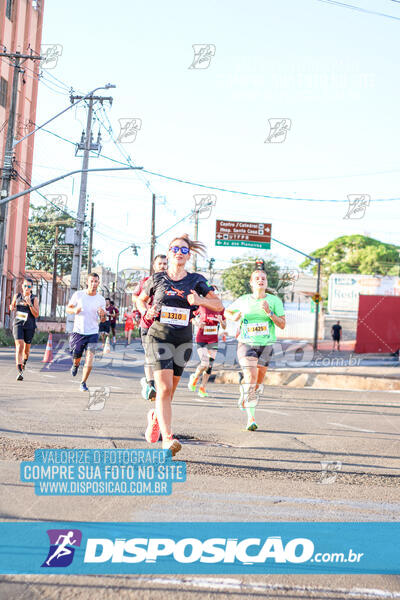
[(54, 308)]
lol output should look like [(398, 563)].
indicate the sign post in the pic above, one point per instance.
[(243, 234)]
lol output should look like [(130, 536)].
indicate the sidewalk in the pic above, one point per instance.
[(351, 378), (331, 370)]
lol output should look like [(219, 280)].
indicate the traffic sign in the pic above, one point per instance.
[(244, 234)]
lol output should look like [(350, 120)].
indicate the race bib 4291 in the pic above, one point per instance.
[(256, 328)]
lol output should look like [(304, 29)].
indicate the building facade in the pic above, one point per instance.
[(20, 31)]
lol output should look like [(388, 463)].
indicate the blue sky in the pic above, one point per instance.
[(330, 70)]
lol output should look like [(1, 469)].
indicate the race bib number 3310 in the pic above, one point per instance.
[(172, 315)]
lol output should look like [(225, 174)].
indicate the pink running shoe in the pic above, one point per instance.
[(152, 433)]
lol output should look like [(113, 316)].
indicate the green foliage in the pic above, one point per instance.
[(356, 254), (236, 278), (7, 340), (41, 242)]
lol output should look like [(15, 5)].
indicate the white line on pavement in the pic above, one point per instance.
[(242, 586), (352, 428), (270, 410)]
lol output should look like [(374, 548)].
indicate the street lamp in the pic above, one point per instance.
[(134, 248), (203, 204)]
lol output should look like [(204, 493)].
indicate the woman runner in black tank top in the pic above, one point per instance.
[(26, 307)]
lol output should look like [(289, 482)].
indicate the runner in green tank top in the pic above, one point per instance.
[(258, 313)]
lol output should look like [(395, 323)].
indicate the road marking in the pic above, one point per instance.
[(240, 585), (239, 497), (352, 428), (271, 410), (48, 375)]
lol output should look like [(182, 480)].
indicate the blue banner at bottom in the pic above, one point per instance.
[(199, 548)]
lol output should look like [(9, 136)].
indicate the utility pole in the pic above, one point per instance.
[(54, 286), (7, 168), (315, 342), (91, 238), (153, 233), (86, 145)]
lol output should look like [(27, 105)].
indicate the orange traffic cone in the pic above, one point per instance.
[(48, 353), (224, 337), (107, 348)]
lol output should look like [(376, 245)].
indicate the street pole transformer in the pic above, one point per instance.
[(80, 218)]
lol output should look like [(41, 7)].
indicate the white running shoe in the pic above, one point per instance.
[(143, 383), (192, 382), (241, 397), (259, 392), (250, 395), (172, 444)]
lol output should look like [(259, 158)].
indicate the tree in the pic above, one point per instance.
[(356, 254), (41, 241), (236, 278)]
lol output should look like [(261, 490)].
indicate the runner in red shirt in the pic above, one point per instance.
[(113, 314), (129, 320), (207, 346), (160, 263)]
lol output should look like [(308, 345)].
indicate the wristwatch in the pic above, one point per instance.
[(270, 314)]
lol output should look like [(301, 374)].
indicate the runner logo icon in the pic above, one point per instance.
[(61, 551)]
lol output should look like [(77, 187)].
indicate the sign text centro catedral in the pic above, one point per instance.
[(239, 233)]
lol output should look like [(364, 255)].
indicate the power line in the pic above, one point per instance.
[(209, 187), (359, 9), (291, 180), (126, 156), (43, 196), (229, 191), (105, 235)]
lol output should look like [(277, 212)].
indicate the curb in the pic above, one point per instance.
[(322, 381)]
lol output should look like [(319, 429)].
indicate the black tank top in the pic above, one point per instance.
[(21, 309)]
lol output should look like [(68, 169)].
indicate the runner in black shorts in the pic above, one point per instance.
[(26, 306), (104, 330), (177, 294)]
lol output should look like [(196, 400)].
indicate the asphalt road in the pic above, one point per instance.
[(317, 456)]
